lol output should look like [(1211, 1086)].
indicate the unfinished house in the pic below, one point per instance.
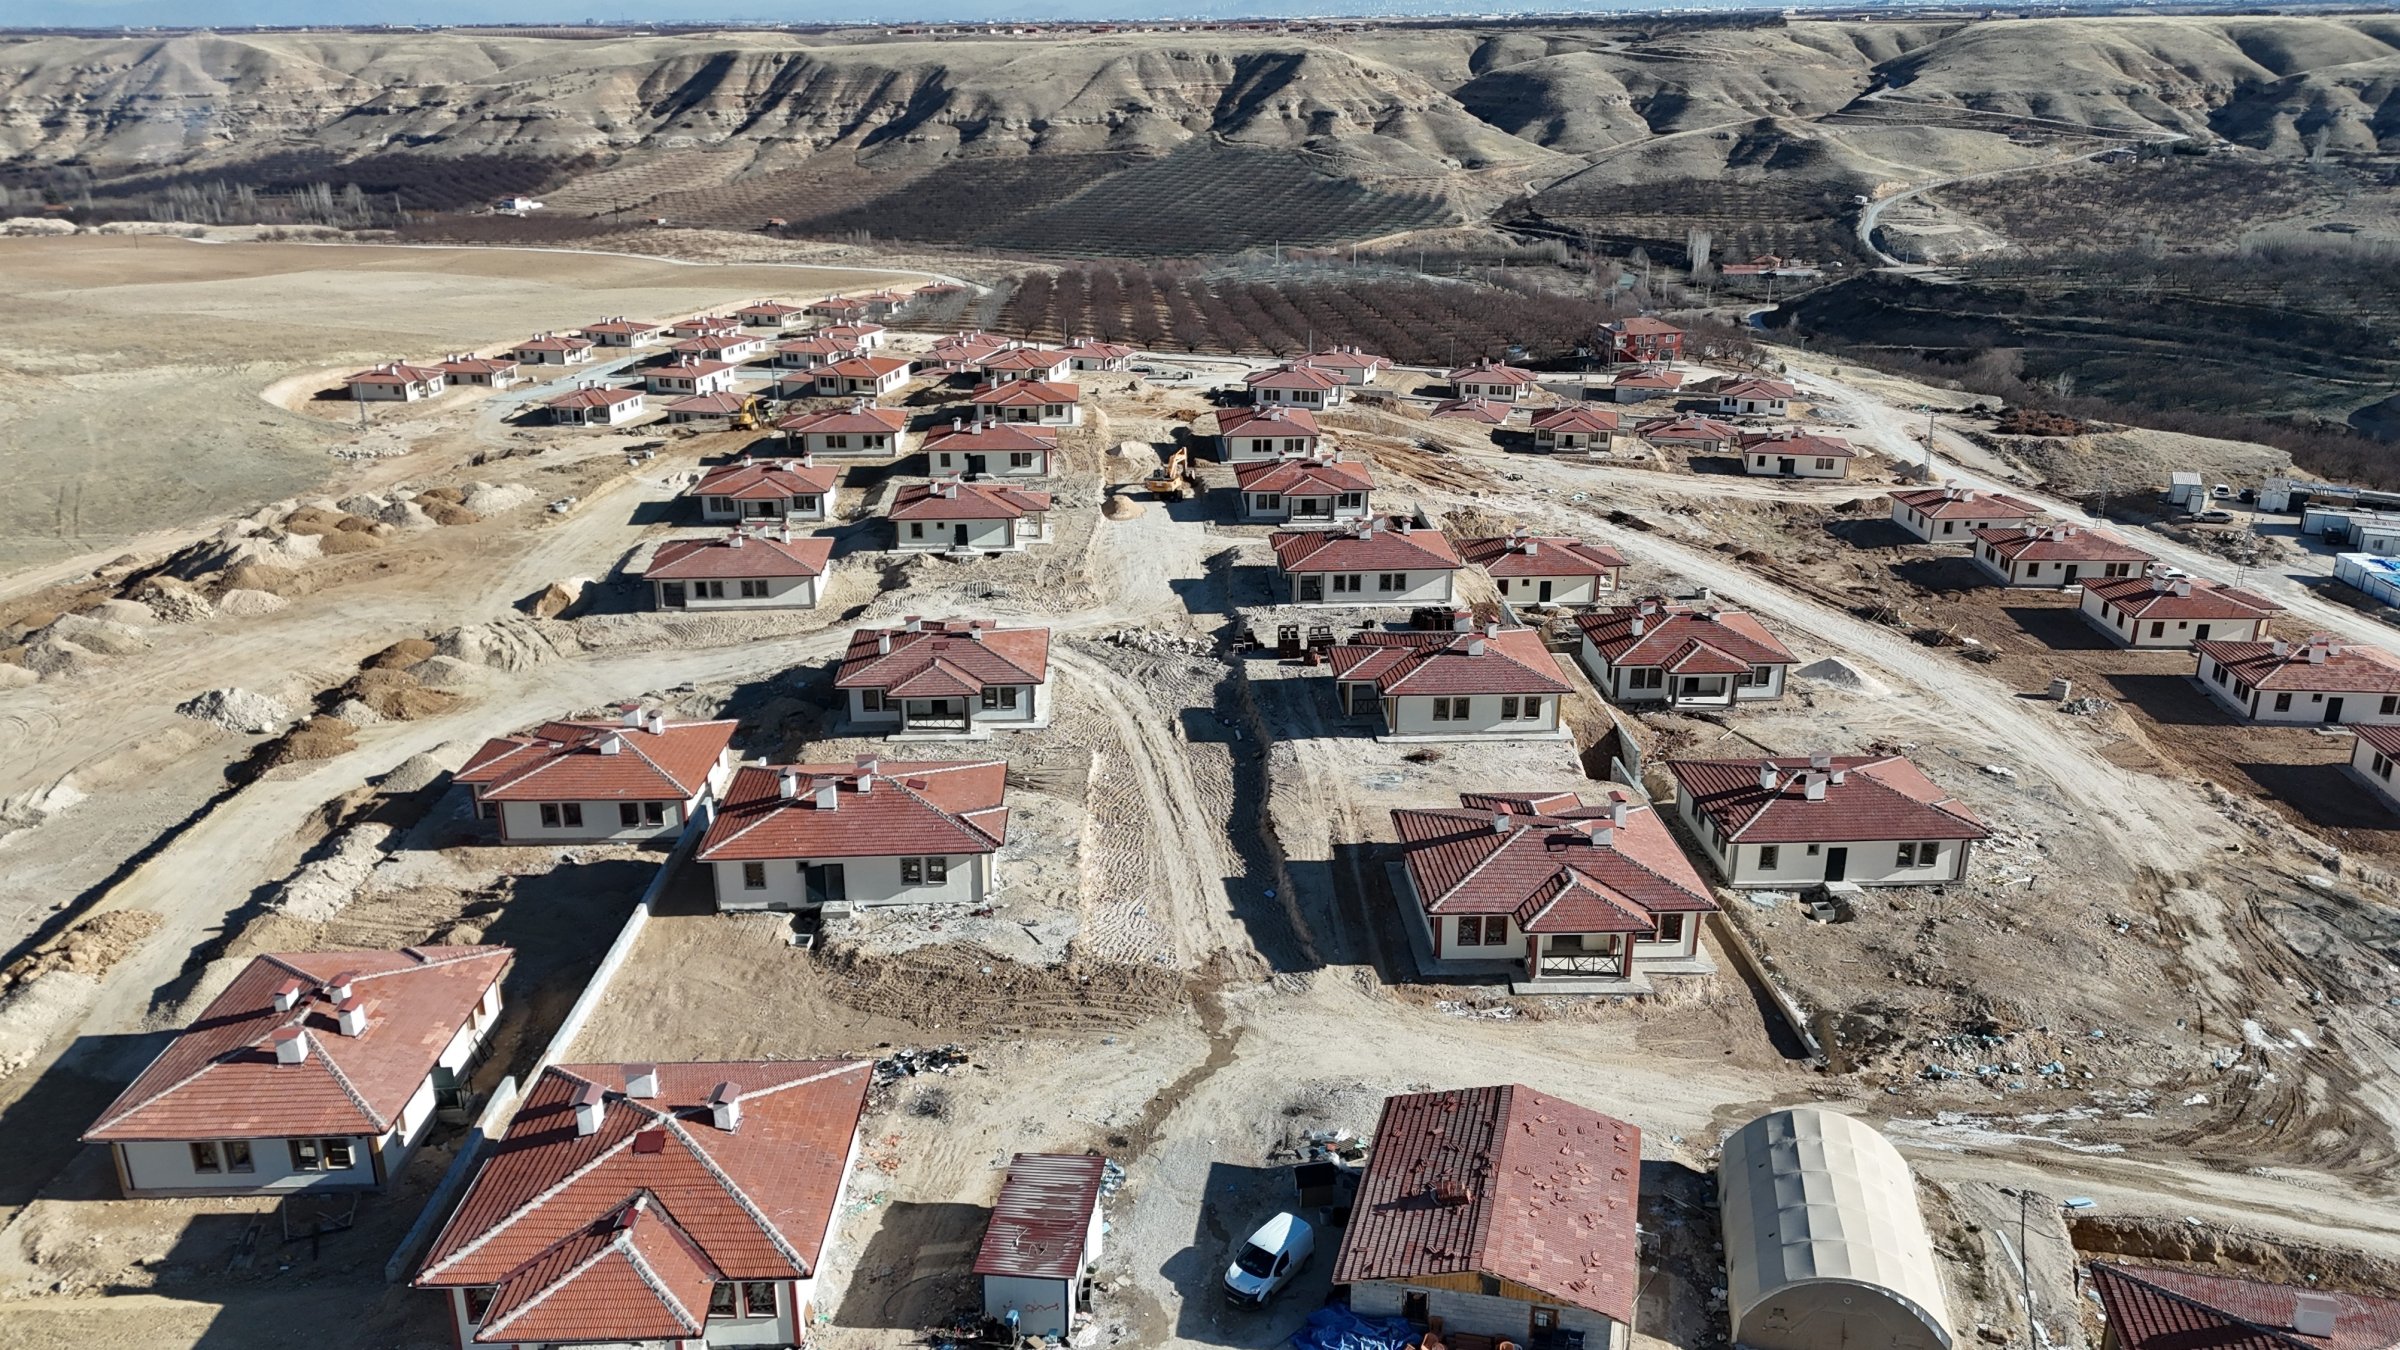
[(2321, 678), (1953, 515), (985, 449), (2056, 555), (946, 678), (2159, 611), (312, 1071), (1545, 569), (1684, 656), (2155, 1308), (1368, 562), (639, 778), (1319, 489), (951, 516), (740, 570), (1871, 820), (1491, 683), (869, 833), (766, 490), (1556, 894)]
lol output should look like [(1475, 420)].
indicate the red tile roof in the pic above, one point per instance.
[(2383, 737), (1482, 410), (1643, 324), (1800, 444), (1682, 640), (1024, 393), (1689, 429), (950, 499), (2059, 543), (1368, 546), (1492, 372), (1582, 417), (628, 326), (714, 345), (574, 761), (865, 367), (1547, 555), (2320, 663), (1291, 377), (1092, 349), (2151, 1309), (553, 342), (1754, 389), (749, 1203), (1650, 379), (869, 419), (1271, 419), (1954, 503), (1494, 661), (1550, 861), (220, 1077), (633, 1273), (1017, 359), (874, 809), (1501, 1181), (1344, 358), (1043, 1218), (972, 654), (967, 348), (1302, 476), (750, 479), (1864, 797), (478, 365), (740, 555), (597, 396), (706, 323), (690, 367), (992, 437), (2155, 597), (837, 305), (773, 309), (851, 332), (398, 372), (817, 344)]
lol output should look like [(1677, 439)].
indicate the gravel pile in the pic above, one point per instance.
[(248, 604), (239, 710), (490, 499)]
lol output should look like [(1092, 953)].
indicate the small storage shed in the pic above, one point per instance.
[(1825, 1248), (1044, 1235)]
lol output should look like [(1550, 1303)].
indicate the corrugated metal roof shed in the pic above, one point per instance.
[(1824, 1244), (1043, 1216)]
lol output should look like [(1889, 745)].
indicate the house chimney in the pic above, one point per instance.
[(735, 540), (1838, 777), (1618, 813), (829, 797), (1821, 760), (1813, 787), (787, 785), (1766, 777), (341, 987), (641, 1081), (2318, 650), (883, 644), (867, 765), (1638, 626), (2315, 1314), (611, 745), (658, 724), (2276, 646), (1603, 836), (2183, 586), (291, 1045), (1475, 646), (725, 1108), (351, 1017), (287, 995), (633, 716), (1532, 547), (589, 1100), (1499, 822)]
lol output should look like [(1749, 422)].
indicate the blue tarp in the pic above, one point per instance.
[(1337, 1328)]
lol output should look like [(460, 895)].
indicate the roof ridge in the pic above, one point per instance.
[(649, 1277), (536, 1201), (543, 1294), (2275, 1334), (333, 1067), (741, 1198)]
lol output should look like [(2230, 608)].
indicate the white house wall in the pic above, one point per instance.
[(1581, 590), (1869, 862), (935, 535), (1413, 716), (995, 463), (2178, 633), (1419, 588), (1044, 1307), (521, 823), (782, 593), (161, 1166), (865, 881)]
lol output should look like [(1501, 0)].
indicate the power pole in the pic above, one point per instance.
[(2025, 1268)]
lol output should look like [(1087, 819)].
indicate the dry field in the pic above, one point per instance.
[(1195, 958)]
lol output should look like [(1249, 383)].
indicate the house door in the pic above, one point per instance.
[(1837, 863), (1545, 595), (958, 535), (1412, 1307), (826, 883), (2200, 632), (2071, 572), (1312, 589), (2333, 709), (975, 465), (670, 594), (1786, 466), (1544, 1325)]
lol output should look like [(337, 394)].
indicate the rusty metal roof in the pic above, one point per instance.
[(1043, 1216)]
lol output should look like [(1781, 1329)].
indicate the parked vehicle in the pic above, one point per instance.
[(1279, 1250)]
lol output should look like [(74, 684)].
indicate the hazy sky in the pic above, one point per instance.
[(189, 13)]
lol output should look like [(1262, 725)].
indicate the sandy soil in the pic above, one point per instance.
[(1197, 959)]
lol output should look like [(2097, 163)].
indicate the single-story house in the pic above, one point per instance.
[(1493, 380), (1038, 401), (1694, 434), (1298, 386), (947, 676), (2056, 555), (1557, 893), (839, 308), (1640, 386), (639, 778), (869, 376), (2378, 749), (595, 405), (880, 304), (1873, 820), (312, 1071), (1753, 397), (1354, 366), (619, 331), (1043, 1240), (983, 517), (2154, 1308), (809, 353), (396, 382), (1659, 651), (1026, 363), (1479, 684), (1545, 569), (866, 337), (965, 351), (1578, 426), (1952, 515), (1319, 488), (868, 833), (693, 1205), (1365, 562), (732, 345), (2156, 611), (740, 571), (487, 372), (1797, 454), (1489, 412), (690, 375), (1643, 339), (1246, 435), (767, 489), (983, 449), (773, 314), (1500, 1213), (861, 430), (2321, 678), (553, 349), (704, 325), (1092, 354), (722, 406)]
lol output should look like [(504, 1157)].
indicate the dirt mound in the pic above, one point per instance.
[(928, 983), (413, 774), (445, 672), (237, 710), (319, 737), (429, 496), (351, 541), (131, 613), (398, 695), (356, 712), (172, 601), (1840, 675), (490, 499), (1121, 508), (314, 520), (448, 513), (89, 948), (512, 644), (93, 635), (400, 655), (244, 603), (559, 599)]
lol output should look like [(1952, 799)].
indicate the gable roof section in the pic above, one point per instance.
[(881, 809), (1754, 389), (1649, 379), (632, 1273), (1020, 359), (1544, 555), (1501, 1181), (1681, 639), (713, 405), (2320, 663), (1551, 861), (976, 652), (1956, 503), (571, 761), (400, 372), (1344, 358), (2156, 597), (1301, 476), (952, 500), (2152, 1309), (751, 555), (219, 1078), (754, 1202), (629, 327), (1866, 797), (1366, 547), (1043, 1218), (1494, 661), (1093, 349), (2059, 543), (749, 479), (865, 367)]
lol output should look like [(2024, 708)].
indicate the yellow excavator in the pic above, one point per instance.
[(748, 418), (1173, 481)]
